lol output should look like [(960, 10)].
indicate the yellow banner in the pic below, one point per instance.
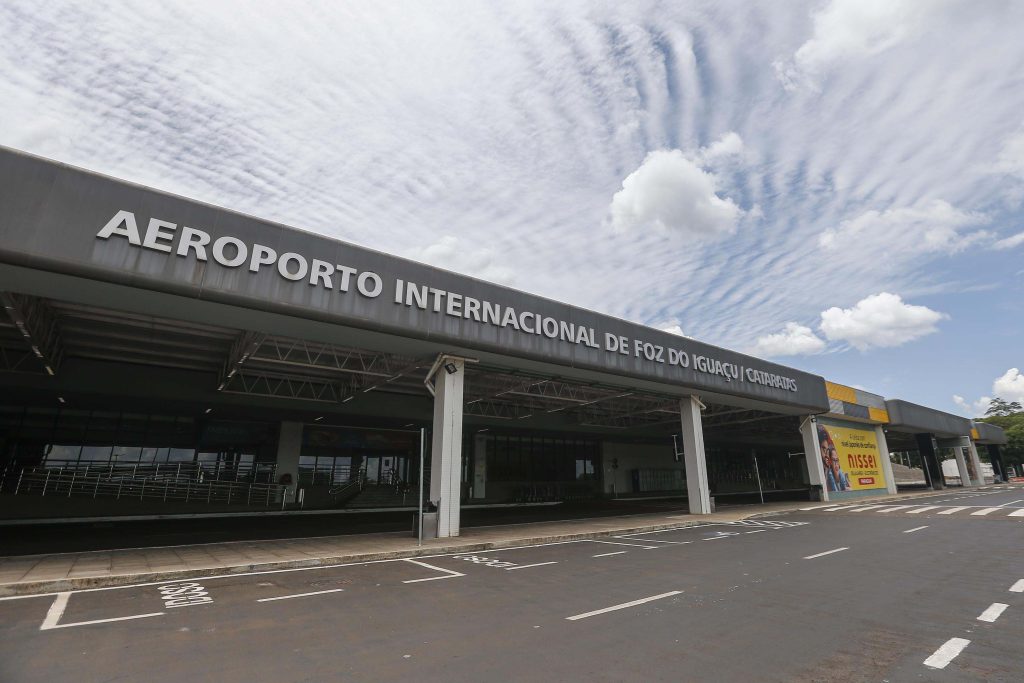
[(850, 458)]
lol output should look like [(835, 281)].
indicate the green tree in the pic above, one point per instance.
[(999, 407)]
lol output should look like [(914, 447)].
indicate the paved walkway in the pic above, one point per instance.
[(22, 575)]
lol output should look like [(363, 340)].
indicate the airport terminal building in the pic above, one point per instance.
[(159, 354)]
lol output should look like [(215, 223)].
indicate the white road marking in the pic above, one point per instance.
[(917, 528), (652, 540), (993, 612), (631, 545), (952, 510), (947, 653), (617, 552), (983, 511), (300, 595), (1011, 503), (60, 603), (755, 531), (449, 573), (827, 552), (895, 508), (815, 507), (841, 507), (1017, 513), (527, 566), (926, 508), (624, 605), (1018, 587), (867, 507)]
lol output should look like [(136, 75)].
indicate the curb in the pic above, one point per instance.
[(82, 583), (91, 582)]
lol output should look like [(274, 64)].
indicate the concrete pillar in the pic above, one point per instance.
[(289, 447), (697, 489), (932, 467), (883, 453), (480, 466), (812, 451), (446, 447), (972, 453), (961, 466), (996, 458)]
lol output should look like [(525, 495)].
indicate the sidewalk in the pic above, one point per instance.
[(29, 574)]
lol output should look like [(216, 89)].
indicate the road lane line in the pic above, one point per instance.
[(952, 510), (617, 552), (1017, 587), (895, 508), (56, 611), (624, 605), (993, 612), (983, 511), (917, 528), (1011, 503), (1017, 513), (527, 566), (947, 653), (651, 540), (926, 508), (631, 545), (60, 603), (300, 595), (827, 552), (450, 574)]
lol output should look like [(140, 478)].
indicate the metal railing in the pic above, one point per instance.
[(218, 471), (130, 484)]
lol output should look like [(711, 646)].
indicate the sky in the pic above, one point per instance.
[(837, 186)]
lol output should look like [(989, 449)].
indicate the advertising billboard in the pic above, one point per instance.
[(850, 458)]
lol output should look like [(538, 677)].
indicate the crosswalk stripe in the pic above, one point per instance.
[(895, 508), (867, 507), (1017, 513), (841, 507), (984, 511), (926, 508), (952, 510)]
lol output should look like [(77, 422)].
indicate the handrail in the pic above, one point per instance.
[(55, 482)]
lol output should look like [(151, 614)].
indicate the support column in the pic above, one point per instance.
[(812, 452), (932, 468), (883, 453), (997, 460), (446, 447), (693, 456), (289, 447), (972, 452), (961, 466), (479, 466)]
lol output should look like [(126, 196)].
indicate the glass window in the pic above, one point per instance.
[(96, 453)]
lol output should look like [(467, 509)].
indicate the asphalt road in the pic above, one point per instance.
[(836, 593)]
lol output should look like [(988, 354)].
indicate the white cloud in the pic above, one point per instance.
[(845, 30), (937, 226), (1009, 386), (451, 253), (975, 409), (794, 340), (729, 146), (1011, 157), (672, 327), (880, 320), (1010, 242), (670, 193)]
